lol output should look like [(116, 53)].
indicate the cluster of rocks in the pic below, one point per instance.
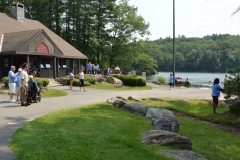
[(164, 124), (110, 79)]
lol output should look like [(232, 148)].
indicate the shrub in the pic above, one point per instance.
[(141, 81), (41, 82), (232, 89), (76, 82), (90, 78), (116, 75), (129, 80), (235, 108), (162, 80), (5, 81)]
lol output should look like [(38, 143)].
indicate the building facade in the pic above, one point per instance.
[(24, 40)]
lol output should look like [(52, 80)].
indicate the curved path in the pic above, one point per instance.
[(12, 115)]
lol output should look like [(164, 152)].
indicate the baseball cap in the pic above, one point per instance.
[(19, 69), (31, 77)]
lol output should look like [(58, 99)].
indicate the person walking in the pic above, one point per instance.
[(81, 79), (170, 81), (12, 79), (216, 88), (24, 85), (71, 79), (18, 84)]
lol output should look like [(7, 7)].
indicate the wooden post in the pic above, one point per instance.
[(54, 67)]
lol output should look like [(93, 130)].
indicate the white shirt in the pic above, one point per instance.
[(81, 75), (24, 76), (117, 68)]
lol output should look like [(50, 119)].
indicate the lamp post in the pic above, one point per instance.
[(174, 43)]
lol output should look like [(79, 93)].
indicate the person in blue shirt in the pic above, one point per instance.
[(12, 79), (18, 84), (89, 67), (96, 69), (216, 88), (170, 81)]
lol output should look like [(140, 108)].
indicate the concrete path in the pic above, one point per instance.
[(12, 115)]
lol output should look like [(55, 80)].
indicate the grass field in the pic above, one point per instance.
[(100, 131)]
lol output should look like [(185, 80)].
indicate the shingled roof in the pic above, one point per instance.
[(13, 30)]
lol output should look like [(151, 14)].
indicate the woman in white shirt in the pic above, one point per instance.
[(81, 79)]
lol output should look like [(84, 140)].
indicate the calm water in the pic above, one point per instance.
[(194, 78)]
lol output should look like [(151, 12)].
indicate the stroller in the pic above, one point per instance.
[(34, 94)]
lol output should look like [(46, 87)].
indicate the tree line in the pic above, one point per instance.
[(108, 32)]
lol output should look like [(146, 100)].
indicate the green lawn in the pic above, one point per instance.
[(53, 93), (111, 87), (100, 131)]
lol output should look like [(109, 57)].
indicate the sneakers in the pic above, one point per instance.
[(12, 101)]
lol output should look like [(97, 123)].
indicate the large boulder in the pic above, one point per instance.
[(111, 100), (182, 154), (135, 108), (156, 99), (100, 79), (119, 103), (166, 138), (159, 113), (136, 98), (113, 80), (166, 125)]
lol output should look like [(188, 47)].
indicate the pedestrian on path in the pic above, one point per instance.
[(81, 79), (24, 85), (170, 80), (18, 84), (12, 79)]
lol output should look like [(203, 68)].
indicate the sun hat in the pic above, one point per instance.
[(19, 69), (31, 77)]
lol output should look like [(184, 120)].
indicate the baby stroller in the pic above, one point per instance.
[(34, 94)]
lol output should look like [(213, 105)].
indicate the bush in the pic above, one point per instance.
[(235, 108), (5, 81), (116, 75), (76, 82), (141, 81), (162, 80), (232, 89), (41, 82), (129, 80), (90, 78)]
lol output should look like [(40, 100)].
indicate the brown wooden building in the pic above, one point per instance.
[(25, 40)]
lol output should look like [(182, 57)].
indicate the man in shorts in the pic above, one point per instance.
[(12, 79)]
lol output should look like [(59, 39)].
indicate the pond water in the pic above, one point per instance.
[(194, 78)]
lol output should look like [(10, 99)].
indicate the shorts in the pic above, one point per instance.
[(17, 90), (12, 87), (170, 84), (81, 82), (215, 99), (71, 78)]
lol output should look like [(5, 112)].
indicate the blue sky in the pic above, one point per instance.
[(193, 18)]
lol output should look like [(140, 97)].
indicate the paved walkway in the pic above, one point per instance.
[(12, 115)]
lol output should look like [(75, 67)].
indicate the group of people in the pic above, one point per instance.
[(81, 79), (216, 89), (107, 71), (92, 69), (176, 80), (18, 84)]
